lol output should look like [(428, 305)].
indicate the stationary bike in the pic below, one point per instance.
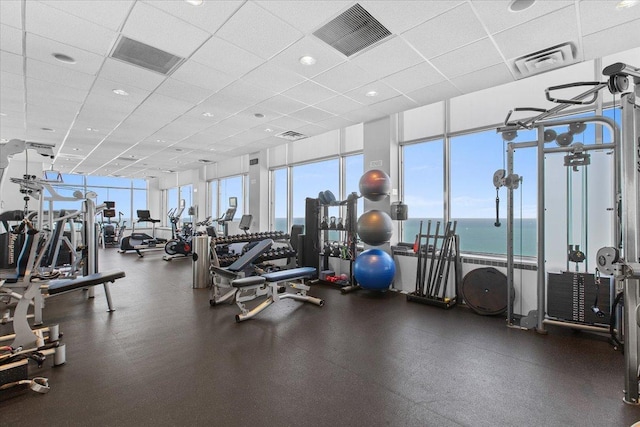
[(181, 243)]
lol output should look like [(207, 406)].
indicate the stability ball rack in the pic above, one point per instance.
[(624, 265)]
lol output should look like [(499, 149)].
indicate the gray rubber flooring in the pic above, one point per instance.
[(165, 357)]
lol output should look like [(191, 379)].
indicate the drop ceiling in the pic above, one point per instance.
[(241, 81)]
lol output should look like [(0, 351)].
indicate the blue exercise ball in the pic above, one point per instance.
[(375, 185), (374, 269)]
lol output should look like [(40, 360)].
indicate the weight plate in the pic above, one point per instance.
[(485, 291)]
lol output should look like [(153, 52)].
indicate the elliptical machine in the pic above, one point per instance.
[(111, 231), (142, 241)]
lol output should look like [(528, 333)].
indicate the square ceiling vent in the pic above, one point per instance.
[(291, 135), (145, 56), (545, 60), (352, 31)]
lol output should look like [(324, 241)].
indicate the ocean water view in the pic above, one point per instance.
[(477, 235)]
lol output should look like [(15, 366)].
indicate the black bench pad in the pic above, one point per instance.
[(59, 286)]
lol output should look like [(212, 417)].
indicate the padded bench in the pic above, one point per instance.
[(59, 286), (269, 285)]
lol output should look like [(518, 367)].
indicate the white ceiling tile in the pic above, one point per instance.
[(221, 106), (42, 49), (209, 16), (414, 78), (496, 16), (110, 14), (383, 92), (181, 90), (10, 62), (326, 57), (68, 29), (58, 75), (177, 37), (226, 57), (102, 91), (242, 91), (256, 30), (200, 75), (166, 104), (395, 105), (481, 79), (311, 130), (534, 35), (596, 16), (434, 93), (130, 75), (389, 57), (238, 122), (273, 78), (309, 93), (286, 122), (435, 36), (10, 39), (335, 122), (304, 15), (399, 16), (280, 104), (626, 36), (11, 13), (8, 122), (311, 114), (46, 89), (474, 56), (338, 105), (344, 77), (11, 80)]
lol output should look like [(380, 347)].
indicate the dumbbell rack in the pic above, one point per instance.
[(326, 250), (220, 246)]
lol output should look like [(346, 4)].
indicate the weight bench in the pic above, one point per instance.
[(37, 290), (222, 290), (270, 285)]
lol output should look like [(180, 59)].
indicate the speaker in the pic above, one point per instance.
[(399, 211)]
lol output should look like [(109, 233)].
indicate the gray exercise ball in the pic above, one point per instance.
[(375, 227), (375, 185)]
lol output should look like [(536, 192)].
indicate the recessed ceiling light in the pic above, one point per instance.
[(75, 149), (268, 130), (120, 92), (207, 114), (64, 58), (307, 60), (194, 2), (178, 149), (626, 4), (160, 140), (92, 130), (132, 156), (258, 115), (520, 5), (48, 129), (371, 93)]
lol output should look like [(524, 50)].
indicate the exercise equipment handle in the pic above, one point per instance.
[(547, 93), (519, 122), (497, 223)]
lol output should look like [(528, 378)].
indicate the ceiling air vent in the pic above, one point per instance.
[(205, 161), (145, 56), (291, 135), (545, 60), (352, 31)]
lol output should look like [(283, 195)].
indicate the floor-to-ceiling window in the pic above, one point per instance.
[(423, 186), (280, 204)]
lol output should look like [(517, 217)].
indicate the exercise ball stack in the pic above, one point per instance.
[(374, 268)]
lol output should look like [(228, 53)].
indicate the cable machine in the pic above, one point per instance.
[(621, 260)]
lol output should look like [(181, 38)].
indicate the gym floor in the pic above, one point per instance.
[(165, 357)]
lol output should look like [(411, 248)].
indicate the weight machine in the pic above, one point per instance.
[(621, 260)]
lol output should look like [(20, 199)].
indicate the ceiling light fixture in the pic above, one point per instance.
[(194, 2), (626, 4), (121, 92), (48, 129), (207, 114), (92, 130), (307, 60), (178, 149), (371, 93), (160, 140), (64, 58), (520, 5), (268, 130), (75, 149), (258, 115)]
